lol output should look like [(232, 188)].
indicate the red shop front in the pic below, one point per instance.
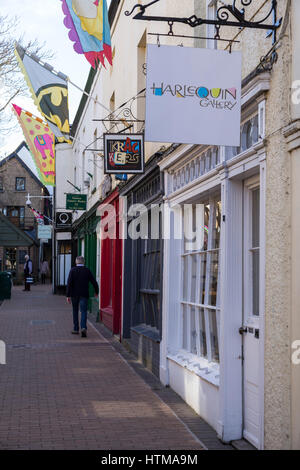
[(111, 272)]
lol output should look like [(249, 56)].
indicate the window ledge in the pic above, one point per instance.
[(209, 371), (148, 331), (246, 153)]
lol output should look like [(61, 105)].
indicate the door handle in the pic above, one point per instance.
[(242, 330)]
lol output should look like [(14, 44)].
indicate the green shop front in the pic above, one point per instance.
[(85, 243)]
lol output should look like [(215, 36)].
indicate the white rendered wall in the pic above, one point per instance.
[(64, 171), (200, 395)]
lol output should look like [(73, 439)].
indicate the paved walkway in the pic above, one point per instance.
[(59, 391)]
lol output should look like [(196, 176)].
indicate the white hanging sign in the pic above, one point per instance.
[(193, 96), (45, 231)]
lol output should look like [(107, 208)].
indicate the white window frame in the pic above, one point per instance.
[(188, 305), (250, 186)]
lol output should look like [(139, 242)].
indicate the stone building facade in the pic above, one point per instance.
[(16, 181)]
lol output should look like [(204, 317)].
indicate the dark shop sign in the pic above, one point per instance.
[(76, 202), (123, 153), (63, 219)]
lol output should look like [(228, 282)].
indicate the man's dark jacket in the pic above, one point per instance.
[(78, 282), (27, 270)]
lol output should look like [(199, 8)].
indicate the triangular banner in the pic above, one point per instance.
[(41, 142)]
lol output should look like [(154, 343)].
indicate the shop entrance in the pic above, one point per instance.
[(252, 318)]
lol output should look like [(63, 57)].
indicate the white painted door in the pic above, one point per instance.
[(251, 329)]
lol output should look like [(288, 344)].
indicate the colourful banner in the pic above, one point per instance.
[(49, 92), (38, 216), (89, 28), (41, 142)]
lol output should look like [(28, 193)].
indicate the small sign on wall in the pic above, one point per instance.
[(123, 153), (76, 202), (45, 231), (63, 219)]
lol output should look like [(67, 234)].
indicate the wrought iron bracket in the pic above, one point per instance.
[(227, 15)]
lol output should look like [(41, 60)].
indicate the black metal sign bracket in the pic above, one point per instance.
[(227, 15)]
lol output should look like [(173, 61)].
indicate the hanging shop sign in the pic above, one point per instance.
[(63, 220), (193, 96), (45, 232), (76, 202), (123, 153)]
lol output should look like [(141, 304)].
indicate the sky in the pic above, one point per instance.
[(43, 20)]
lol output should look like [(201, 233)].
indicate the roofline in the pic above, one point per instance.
[(19, 231), (15, 155)]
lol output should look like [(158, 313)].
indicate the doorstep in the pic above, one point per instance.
[(242, 444)]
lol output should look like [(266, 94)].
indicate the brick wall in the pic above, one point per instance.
[(9, 171), (10, 197)]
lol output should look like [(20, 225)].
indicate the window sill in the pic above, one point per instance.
[(209, 371), (148, 331)]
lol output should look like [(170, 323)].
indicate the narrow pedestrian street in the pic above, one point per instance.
[(60, 391)]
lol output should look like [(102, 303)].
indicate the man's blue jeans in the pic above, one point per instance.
[(81, 302)]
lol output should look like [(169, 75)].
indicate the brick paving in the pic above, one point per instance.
[(60, 391)]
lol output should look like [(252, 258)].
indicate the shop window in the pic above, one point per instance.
[(150, 281), (11, 261), (64, 260), (20, 184), (200, 305), (65, 247)]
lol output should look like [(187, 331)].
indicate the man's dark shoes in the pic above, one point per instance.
[(83, 333), (74, 332)]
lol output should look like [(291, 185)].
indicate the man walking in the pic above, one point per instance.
[(27, 272), (78, 293)]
